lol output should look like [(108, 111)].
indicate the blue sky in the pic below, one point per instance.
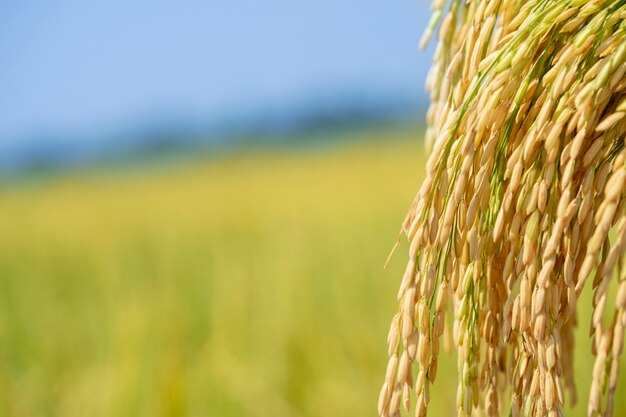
[(84, 66)]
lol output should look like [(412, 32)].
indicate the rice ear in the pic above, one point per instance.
[(524, 191)]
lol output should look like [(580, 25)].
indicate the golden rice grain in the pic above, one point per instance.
[(523, 199)]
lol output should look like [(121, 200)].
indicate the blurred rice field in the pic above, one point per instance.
[(249, 284)]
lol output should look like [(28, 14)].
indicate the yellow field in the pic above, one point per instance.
[(246, 285)]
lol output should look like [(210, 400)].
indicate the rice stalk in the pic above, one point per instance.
[(522, 203)]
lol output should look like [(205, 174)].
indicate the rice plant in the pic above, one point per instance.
[(522, 203)]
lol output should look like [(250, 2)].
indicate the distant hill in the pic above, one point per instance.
[(170, 134)]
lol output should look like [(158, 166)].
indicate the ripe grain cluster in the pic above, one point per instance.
[(521, 208)]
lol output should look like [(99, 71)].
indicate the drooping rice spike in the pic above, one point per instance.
[(522, 202)]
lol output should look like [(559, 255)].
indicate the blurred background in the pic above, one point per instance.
[(197, 199)]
